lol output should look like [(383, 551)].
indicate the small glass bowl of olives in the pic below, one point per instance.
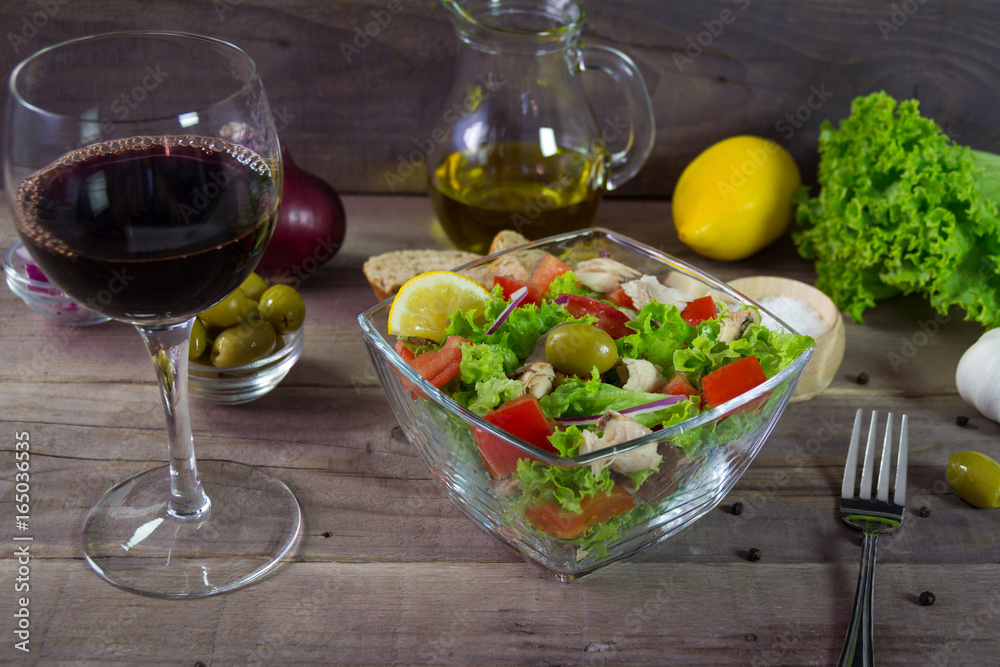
[(27, 281), (242, 347)]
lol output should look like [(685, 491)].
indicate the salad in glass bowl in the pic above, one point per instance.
[(598, 397)]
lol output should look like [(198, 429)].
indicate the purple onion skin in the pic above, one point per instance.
[(310, 228)]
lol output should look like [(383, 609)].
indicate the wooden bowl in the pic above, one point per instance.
[(829, 346)]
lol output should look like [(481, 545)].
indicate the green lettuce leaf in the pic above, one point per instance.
[(704, 353), (490, 393), (588, 398), (481, 362), (773, 350), (542, 484), (660, 331), (902, 209), (567, 283)]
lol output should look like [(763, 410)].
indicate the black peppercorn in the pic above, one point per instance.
[(925, 511), (737, 508), (962, 420), (927, 599), (862, 378), (754, 555)]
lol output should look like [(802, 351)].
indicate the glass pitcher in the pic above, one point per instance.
[(518, 146)]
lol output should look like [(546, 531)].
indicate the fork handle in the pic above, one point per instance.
[(858, 649)]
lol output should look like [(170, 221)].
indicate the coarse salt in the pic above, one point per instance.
[(798, 314)]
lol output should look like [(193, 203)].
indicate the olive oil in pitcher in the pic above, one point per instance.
[(514, 186)]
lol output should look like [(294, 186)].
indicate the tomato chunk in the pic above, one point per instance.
[(678, 385), (620, 298), (510, 285), (609, 318), (699, 310), (441, 365), (732, 380), (521, 417), (404, 352), (546, 270), (569, 525)]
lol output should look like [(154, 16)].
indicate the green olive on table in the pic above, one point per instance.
[(254, 286), (577, 348), (230, 310), (199, 340), (975, 477), (244, 343), (282, 306)]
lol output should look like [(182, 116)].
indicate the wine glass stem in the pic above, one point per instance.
[(168, 347)]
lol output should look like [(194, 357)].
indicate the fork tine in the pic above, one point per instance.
[(899, 495), (868, 469), (882, 494), (851, 467)]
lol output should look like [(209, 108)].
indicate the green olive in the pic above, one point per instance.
[(577, 348), (254, 286), (244, 343), (199, 340), (229, 311), (975, 477), (282, 306)]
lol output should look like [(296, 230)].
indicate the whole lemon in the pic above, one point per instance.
[(735, 198)]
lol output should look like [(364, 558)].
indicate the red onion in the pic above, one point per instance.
[(515, 300), (310, 228)]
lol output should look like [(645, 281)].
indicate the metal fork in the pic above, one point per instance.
[(873, 516)]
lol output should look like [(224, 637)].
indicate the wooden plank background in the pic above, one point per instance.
[(349, 117)]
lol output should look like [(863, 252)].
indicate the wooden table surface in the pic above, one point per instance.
[(390, 572)]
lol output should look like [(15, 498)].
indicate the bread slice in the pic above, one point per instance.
[(387, 272)]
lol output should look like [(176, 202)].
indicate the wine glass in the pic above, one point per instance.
[(145, 175)]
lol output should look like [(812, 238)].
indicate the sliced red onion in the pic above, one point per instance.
[(35, 273), (515, 300), (562, 299), (637, 410)]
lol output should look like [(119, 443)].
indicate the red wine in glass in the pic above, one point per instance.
[(148, 229)]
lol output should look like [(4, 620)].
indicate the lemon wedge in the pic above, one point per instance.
[(424, 303)]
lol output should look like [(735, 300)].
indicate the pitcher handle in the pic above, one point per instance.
[(642, 126)]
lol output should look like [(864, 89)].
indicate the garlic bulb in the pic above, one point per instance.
[(978, 375)]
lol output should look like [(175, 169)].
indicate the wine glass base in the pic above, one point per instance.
[(252, 526)]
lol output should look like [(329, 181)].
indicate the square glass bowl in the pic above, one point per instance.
[(43, 297), (703, 457)]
